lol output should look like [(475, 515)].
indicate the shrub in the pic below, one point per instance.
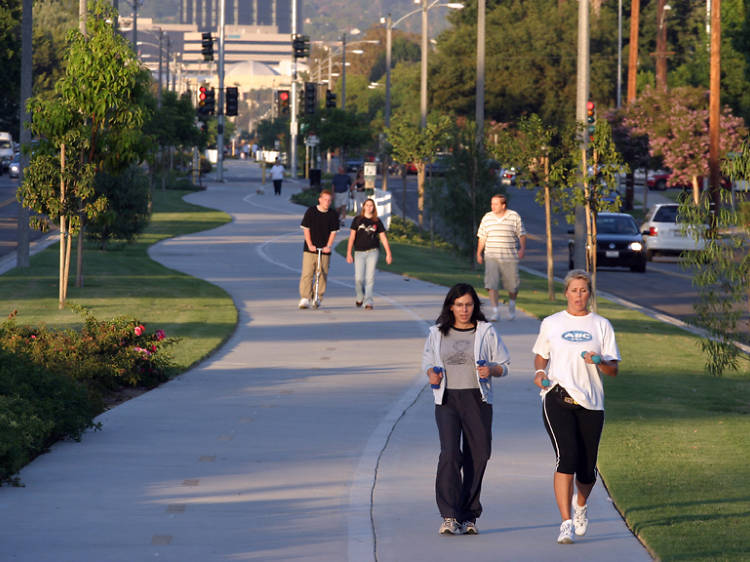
[(37, 408), (127, 211), (306, 197), (104, 355)]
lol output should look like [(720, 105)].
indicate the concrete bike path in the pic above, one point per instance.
[(270, 449)]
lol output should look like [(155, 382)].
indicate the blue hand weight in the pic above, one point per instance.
[(594, 358), (437, 370), (481, 362), (545, 382)]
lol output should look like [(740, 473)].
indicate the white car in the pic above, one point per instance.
[(664, 234)]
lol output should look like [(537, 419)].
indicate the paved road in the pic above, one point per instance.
[(308, 436)]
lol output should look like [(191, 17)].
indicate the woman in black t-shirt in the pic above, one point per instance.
[(367, 232)]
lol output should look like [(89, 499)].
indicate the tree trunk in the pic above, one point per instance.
[(420, 192), (79, 253), (635, 9), (403, 199), (629, 190), (696, 190), (548, 234), (61, 280)]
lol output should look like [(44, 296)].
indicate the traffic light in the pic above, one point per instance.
[(300, 46), (231, 101), (311, 98), (210, 101), (282, 103), (202, 97), (330, 99), (207, 46), (590, 119)]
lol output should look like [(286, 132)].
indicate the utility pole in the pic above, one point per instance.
[(343, 71), (22, 232), (423, 71), (635, 10), (388, 48), (479, 109), (714, 105), (582, 96), (293, 104), (220, 108)]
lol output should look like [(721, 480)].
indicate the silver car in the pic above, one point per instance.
[(664, 233)]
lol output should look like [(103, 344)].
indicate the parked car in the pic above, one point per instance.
[(619, 243), (665, 233), (354, 165), (439, 167), (14, 168), (657, 180)]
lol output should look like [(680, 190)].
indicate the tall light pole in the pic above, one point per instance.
[(423, 69), (661, 45), (714, 108), (582, 96), (293, 104), (343, 71), (635, 15), (619, 53), (479, 109)]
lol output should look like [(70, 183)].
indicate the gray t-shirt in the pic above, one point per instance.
[(457, 354)]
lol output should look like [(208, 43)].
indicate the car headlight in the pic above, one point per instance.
[(636, 246)]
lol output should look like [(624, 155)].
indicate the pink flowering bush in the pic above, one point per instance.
[(104, 354)]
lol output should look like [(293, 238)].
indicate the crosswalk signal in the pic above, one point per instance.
[(330, 99), (210, 101), (591, 119), (232, 105), (282, 103), (207, 46), (311, 98), (202, 97), (300, 46)]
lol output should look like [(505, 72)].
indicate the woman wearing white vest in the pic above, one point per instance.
[(573, 349), (461, 355)]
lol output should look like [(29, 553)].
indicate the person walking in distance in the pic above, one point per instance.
[(366, 234), (502, 242), (359, 191), (319, 227), (573, 349), (342, 185), (277, 176), (462, 354)]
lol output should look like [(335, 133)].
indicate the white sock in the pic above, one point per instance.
[(511, 305)]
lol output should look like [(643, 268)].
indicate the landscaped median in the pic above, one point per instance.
[(138, 306), (676, 443)]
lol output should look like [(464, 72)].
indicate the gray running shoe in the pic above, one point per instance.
[(469, 528), (450, 526)]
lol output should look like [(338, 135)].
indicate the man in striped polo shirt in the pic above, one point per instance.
[(502, 239)]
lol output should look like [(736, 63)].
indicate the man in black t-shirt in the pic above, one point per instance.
[(319, 226)]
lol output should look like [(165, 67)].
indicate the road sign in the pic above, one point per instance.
[(312, 140), (371, 170)]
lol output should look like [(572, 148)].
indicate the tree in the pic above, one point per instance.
[(92, 124), (721, 268), (409, 143), (10, 65), (544, 158), (676, 123)]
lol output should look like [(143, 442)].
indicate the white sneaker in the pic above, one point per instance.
[(512, 310), (304, 303), (493, 314), (469, 528), (580, 518), (566, 532), (450, 526)]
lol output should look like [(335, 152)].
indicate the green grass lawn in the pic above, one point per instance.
[(676, 444), (124, 281)]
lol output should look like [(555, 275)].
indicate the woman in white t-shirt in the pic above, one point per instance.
[(277, 176), (573, 349)]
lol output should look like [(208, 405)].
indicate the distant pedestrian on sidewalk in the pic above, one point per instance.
[(319, 227), (359, 191), (457, 344), (573, 349), (342, 186), (277, 176), (502, 239), (366, 234)]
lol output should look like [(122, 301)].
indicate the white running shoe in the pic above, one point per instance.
[(493, 314), (580, 517), (304, 303), (450, 526), (566, 532)]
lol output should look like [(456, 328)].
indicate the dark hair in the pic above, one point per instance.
[(446, 319)]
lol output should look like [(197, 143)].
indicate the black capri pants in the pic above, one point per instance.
[(575, 433)]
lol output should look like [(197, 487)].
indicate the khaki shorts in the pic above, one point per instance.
[(341, 199), (507, 270)]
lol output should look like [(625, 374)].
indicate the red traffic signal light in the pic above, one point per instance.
[(284, 96)]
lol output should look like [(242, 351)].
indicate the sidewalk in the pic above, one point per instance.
[(273, 447)]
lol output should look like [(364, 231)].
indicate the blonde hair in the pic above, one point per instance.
[(374, 208), (574, 274)]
